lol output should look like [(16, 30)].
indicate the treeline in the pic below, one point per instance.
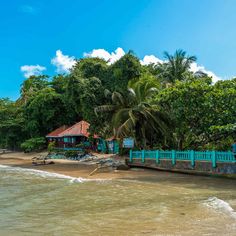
[(161, 105)]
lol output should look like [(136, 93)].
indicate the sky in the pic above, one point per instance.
[(42, 36)]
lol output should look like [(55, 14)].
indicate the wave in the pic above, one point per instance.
[(46, 174), (220, 205)]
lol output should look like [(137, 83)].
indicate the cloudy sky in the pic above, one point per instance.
[(46, 36)]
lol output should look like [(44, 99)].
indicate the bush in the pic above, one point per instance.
[(33, 144), (221, 145), (51, 146)]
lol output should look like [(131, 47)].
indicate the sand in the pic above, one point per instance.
[(69, 167)]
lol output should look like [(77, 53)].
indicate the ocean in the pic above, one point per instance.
[(36, 202)]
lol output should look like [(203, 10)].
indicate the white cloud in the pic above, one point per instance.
[(29, 70), (103, 54), (195, 68), (150, 59), (63, 62)]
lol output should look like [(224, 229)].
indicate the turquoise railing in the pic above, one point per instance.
[(210, 156)]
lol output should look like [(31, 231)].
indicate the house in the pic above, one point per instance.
[(78, 134), (70, 137), (54, 136)]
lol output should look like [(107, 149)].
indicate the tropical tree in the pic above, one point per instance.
[(11, 124), (176, 66), (204, 114), (44, 112), (134, 114), (122, 71), (32, 85)]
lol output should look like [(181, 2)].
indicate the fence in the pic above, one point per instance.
[(193, 156)]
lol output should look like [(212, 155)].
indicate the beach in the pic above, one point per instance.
[(69, 167)]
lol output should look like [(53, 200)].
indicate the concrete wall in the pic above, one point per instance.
[(185, 166)]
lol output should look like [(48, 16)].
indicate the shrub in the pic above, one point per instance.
[(34, 144), (51, 146)]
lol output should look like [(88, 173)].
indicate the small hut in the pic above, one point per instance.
[(54, 136), (77, 134)]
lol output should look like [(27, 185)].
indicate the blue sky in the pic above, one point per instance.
[(32, 31)]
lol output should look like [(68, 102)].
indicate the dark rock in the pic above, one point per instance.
[(122, 167)]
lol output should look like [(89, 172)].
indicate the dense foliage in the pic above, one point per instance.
[(34, 144), (160, 105)]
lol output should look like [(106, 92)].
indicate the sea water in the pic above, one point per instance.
[(34, 202)]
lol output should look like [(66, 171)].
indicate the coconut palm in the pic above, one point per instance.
[(134, 114), (176, 66)]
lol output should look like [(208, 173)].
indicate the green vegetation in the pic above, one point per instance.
[(33, 144), (162, 106), (51, 147)]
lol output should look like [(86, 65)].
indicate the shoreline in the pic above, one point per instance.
[(71, 168), (76, 169)]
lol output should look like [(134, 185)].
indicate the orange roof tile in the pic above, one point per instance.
[(78, 129), (57, 132)]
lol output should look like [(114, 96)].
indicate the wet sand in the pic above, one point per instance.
[(71, 168)]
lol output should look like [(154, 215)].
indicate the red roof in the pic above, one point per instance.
[(56, 133), (78, 129)]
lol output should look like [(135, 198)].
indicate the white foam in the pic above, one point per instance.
[(46, 174), (4, 166), (220, 205)]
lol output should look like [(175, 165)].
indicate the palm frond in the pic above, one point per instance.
[(104, 108), (120, 116), (117, 98), (126, 128)]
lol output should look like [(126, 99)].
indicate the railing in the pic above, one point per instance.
[(210, 156)]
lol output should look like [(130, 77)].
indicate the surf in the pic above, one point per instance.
[(220, 206), (46, 174)]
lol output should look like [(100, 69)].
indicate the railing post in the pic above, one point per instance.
[(130, 155), (143, 155), (173, 157), (213, 158), (192, 157), (157, 156)]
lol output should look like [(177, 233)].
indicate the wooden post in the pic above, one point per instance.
[(192, 157), (143, 156), (130, 155), (213, 159), (157, 156), (173, 157)]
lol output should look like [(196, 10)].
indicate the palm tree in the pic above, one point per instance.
[(176, 67), (134, 115)]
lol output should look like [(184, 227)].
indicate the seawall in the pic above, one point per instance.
[(184, 166)]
